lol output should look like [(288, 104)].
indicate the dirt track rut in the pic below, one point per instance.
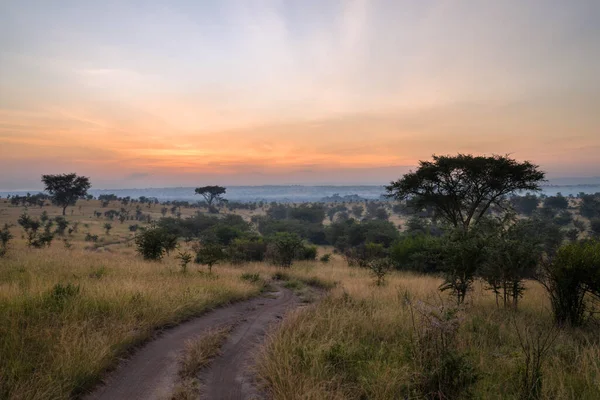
[(151, 373)]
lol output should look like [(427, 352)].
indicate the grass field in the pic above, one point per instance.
[(367, 342), (68, 314)]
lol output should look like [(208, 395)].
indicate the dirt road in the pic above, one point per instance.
[(152, 372)]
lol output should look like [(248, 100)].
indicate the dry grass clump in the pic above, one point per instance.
[(197, 354)]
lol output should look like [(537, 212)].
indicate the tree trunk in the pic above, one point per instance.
[(64, 210)]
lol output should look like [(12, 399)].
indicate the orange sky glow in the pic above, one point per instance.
[(274, 93)]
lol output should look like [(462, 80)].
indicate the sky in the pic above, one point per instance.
[(250, 92)]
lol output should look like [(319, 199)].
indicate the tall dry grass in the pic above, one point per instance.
[(359, 343), (53, 346)]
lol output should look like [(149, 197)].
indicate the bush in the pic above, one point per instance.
[(61, 225), (90, 238), (245, 250), (153, 243), (5, 237), (35, 237), (416, 253), (462, 254), (325, 258), (570, 277), (307, 253), (209, 254), (184, 259), (283, 248)]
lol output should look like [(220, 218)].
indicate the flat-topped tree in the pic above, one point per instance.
[(462, 188), (65, 189), (211, 193)]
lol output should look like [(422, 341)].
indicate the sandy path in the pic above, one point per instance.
[(151, 373)]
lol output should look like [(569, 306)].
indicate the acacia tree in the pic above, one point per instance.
[(462, 188), (211, 193), (65, 189)]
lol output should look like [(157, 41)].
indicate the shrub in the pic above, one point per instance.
[(325, 258), (90, 238), (415, 253), (462, 254), (5, 238), (107, 228), (244, 250), (60, 295), (283, 248), (307, 253), (379, 269), (209, 254), (570, 277), (153, 243), (35, 237), (513, 255), (61, 225), (184, 259)]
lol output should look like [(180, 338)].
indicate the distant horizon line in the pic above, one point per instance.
[(296, 185)]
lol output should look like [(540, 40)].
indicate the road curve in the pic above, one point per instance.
[(151, 372)]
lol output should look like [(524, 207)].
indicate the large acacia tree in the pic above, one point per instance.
[(211, 193), (65, 189), (462, 188)]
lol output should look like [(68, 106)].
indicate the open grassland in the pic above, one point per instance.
[(367, 342), (68, 312), (56, 340)]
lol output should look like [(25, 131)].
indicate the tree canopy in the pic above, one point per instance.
[(211, 193), (65, 189), (462, 188)]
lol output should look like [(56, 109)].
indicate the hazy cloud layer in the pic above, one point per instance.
[(134, 92)]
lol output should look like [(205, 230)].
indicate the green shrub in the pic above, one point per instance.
[(209, 254), (283, 248), (415, 253), (570, 278), (307, 253), (245, 250), (5, 238), (325, 258), (153, 243)]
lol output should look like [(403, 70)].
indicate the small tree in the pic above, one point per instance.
[(284, 247), (209, 254), (380, 267), (558, 202), (36, 237), (61, 225), (461, 189), (211, 193), (107, 228), (570, 277), (152, 243), (184, 258), (5, 237), (65, 189), (462, 254), (513, 255)]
